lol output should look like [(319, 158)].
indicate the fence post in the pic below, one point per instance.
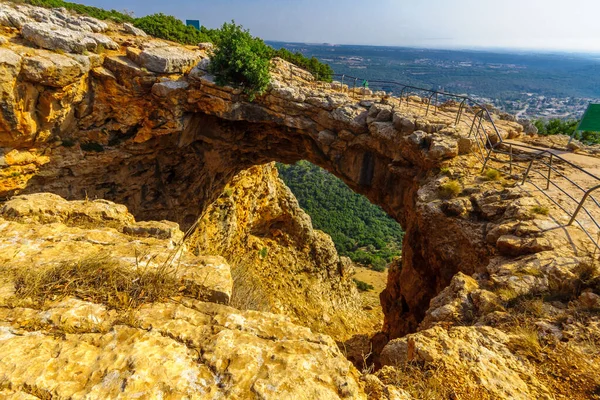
[(549, 172)]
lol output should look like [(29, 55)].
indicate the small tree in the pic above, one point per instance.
[(241, 60)]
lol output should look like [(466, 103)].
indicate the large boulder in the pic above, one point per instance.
[(51, 37), (52, 69), (168, 59)]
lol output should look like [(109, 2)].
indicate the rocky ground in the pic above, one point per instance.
[(491, 299)]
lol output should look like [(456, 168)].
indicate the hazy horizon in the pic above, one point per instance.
[(527, 25)]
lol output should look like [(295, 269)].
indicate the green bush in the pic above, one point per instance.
[(363, 286), (450, 189), (492, 174), (94, 12), (241, 60), (170, 28), (321, 71)]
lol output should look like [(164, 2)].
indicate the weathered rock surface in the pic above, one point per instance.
[(479, 352), (150, 129), (279, 263), (69, 347), (168, 59), (46, 36), (51, 230)]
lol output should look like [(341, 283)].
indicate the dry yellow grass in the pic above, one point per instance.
[(99, 279), (450, 189)]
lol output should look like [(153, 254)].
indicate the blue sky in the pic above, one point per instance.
[(520, 24)]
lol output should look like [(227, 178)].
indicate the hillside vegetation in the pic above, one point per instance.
[(170, 28), (359, 229), (558, 127)]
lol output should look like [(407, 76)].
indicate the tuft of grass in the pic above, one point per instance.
[(450, 189), (492, 174), (101, 280), (542, 210), (433, 381), (363, 286), (228, 192), (445, 171), (526, 341), (507, 294), (263, 253), (531, 306), (100, 49)]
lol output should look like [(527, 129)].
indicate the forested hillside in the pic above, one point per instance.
[(359, 229)]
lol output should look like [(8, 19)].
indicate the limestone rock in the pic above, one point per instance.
[(516, 246), (480, 352), (192, 349), (280, 263), (49, 208), (129, 28), (66, 231), (164, 89), (52, 69), (453, 304), (50, 37), (168, 59), (11, 17)]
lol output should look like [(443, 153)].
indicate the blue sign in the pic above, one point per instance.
[(193, 22)]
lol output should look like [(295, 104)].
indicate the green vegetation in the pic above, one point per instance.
[(559, 127), (241, 60), (492, 174), (250, 55), (94, 12), (363, 286), (450, 189), (320, 70), (359, 229), (542, 210), (170, 28), (263, 252)]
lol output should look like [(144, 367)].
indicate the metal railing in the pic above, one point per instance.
[(533, 162)]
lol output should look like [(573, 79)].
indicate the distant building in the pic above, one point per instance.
[(193, 22)]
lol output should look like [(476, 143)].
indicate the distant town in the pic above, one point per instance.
[(530, 86)]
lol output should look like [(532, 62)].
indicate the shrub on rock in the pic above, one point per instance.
[(241, 60)]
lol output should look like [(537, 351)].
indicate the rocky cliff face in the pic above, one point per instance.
[(494, 297), (279, 263)]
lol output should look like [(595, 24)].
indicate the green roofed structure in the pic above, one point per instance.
[(590, 121)]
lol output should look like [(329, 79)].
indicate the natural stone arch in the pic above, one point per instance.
[(170, 145)]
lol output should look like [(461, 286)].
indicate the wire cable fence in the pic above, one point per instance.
[(547, 171)]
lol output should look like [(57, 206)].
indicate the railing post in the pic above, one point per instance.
[(342, 85), (459, 114), (473, 124), (580, 206), (549, 172), (527, 172), (354, 87), (429, 104)]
